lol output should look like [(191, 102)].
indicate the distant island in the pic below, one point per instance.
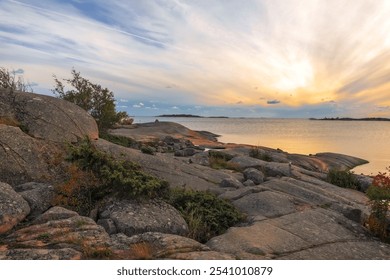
[(350, 119), (188, 116)]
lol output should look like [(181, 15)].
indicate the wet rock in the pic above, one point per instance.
[(13, 208)]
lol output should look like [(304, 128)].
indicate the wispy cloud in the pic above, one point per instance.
[(209, 53)]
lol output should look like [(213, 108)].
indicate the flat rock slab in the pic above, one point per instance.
[(41, 254), (157, 245), (135, 217), (292, 235), (267, 203), (13, 208)]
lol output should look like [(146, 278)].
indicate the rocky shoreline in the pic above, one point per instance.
[(291, 211)]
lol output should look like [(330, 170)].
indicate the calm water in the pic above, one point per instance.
[(365, 139)]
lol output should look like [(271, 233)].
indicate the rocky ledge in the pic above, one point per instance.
[(291, 211)]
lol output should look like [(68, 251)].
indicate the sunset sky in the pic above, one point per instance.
[(254, 58)]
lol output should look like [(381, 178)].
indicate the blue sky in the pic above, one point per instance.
[(255, 58)]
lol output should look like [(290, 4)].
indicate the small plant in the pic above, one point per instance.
[(379, 194), (119, 140), (94, 174), (220, 160), (206, 214), (148, 150), (44, 237), (255, 152), (343, 179), (141, 251)]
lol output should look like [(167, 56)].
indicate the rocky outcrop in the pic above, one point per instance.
[(23, 158), (13, 208), (134, 217), (46, 117), (57, 234), (38, 195)]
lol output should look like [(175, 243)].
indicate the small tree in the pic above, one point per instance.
[(9, 80), (93, 98), (379, 194)]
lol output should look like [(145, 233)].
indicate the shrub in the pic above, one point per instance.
[(119, 140), (94, 174), (9, 80), (93, 98), (343, 179), (379, 194), (220, 160), (148, 150), (206, 214), (255, 152)]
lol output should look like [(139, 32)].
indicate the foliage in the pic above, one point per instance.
[(148, 150), (206, 214), (255, 152), (379, 194), (343, 179), (220, 160), (119, 140), (122, 177), (94, 174), (9, 80), (93, 98)]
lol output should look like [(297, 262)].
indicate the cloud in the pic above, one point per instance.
[(272, 102), (195, 52)]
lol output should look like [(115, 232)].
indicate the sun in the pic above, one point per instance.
[(294, 75)]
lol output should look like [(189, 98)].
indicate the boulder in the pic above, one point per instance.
[(38, 195), (47, 117), (135, 217), (231, 183), (56, 230), (256, 176), (13, 208), (23, 158), (266, 203)]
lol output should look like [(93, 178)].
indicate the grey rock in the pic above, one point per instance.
[(249, 183), (185, 152), (256, 176), (47, 117), (364, 182), (54, 214), (166, 246), (41, 254), (135, 217), (23, 158), (13, 208), (38, 195), (231, 183), (108, 225), (267, 203)]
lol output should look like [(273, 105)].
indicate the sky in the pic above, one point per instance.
[(252, 58)]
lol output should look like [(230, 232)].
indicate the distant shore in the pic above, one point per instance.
[(350, 119), (189, 116)]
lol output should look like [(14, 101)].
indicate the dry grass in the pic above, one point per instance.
[(10, 121)]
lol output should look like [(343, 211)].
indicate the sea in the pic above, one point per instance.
[(369, 140)]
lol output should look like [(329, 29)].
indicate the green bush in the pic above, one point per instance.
[(119, 140), (220, 160), (343, 179), (148, 150), (206, 214), (259, 154), (122, 178)]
